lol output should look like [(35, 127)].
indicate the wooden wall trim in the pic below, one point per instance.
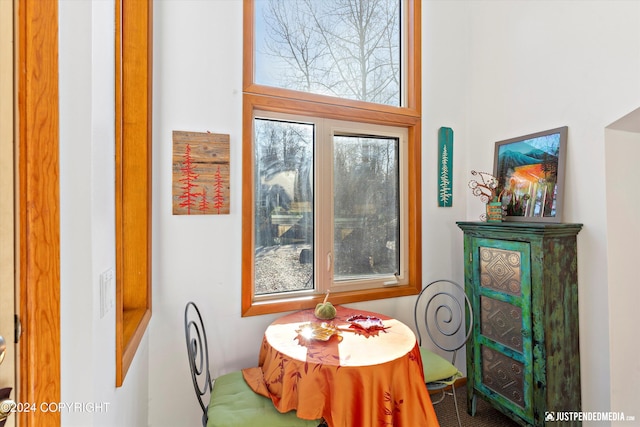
[(134, 63), (38, 208)]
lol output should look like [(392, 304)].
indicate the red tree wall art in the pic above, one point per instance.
[(218, 185), (200, 173), (187, 181)]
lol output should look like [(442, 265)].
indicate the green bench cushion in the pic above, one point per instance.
[(436, 367), (234, 404)]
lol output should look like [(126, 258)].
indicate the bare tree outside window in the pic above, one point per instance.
[(283, 211), (343, 48), (366, 207)]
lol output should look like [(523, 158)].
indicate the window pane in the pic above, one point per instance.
[(344, 48), (284, 206), (366, 207)]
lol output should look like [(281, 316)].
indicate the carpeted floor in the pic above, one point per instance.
[(485, 416)]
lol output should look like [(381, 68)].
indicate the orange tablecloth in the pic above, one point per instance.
[(356, 379)]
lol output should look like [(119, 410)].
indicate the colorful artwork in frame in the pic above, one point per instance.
[(530, 173), (200, 173)]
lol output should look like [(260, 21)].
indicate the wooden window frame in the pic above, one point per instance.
[(134, 26), (259, 97)]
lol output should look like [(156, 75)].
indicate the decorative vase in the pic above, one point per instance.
[(494, 212)]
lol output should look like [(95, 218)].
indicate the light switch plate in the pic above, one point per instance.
[(106, 292)]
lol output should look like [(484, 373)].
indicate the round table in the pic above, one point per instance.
[(356, 378)]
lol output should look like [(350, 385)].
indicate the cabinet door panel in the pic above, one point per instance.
[(500, 270), (501, 322), (503, 375)]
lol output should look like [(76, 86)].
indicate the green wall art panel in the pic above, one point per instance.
[(445, 167)]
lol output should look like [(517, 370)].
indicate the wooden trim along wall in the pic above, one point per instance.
[(134, 27), (38, 205)]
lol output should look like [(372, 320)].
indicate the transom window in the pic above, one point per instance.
[(331, 152), (344, 48)]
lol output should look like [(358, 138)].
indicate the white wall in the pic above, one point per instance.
[(87, 222), (492, 70), (622, 176)]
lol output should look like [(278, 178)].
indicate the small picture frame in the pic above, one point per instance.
[(530, 173)]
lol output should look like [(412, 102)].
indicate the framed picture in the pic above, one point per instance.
[(530, 173)]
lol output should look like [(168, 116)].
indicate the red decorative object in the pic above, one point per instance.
[(188, 198), (200, 173), (367, 325), (218, 197)]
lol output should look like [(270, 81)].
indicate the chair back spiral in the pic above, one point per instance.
[(444, 312), (198, 353)]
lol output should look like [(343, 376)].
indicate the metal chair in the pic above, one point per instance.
[(442, 305), (228, 401)]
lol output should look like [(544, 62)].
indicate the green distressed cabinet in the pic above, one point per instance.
[(524, 353)]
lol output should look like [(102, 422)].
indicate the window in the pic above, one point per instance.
[(344, 48), (331, 153)]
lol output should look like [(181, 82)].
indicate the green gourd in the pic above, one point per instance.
[(325, 310)]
